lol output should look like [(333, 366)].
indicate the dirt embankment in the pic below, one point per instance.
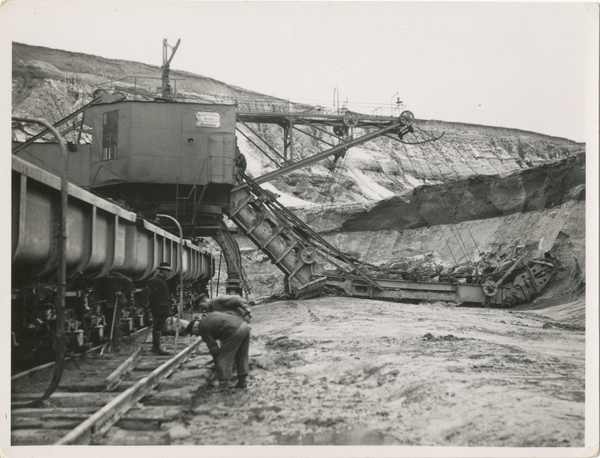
[(52, 83), (339, 371), (383, 167), (478, 197)]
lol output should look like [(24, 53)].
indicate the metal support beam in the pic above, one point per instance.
[(291, 139), (320, 156), (260, 149), (264, 141), (287, 140), (180, 267)]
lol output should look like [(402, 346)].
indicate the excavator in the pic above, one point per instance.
[(301, 253)]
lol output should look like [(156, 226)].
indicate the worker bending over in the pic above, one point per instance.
[(234, 334)]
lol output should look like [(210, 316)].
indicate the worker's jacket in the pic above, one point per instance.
[(160, 297), (218, 326), (231, 303)]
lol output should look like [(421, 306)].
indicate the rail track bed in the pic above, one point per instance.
[(130, 397)]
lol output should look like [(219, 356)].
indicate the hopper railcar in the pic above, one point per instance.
[(105, 242)]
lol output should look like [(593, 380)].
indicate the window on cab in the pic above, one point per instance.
[(110, 131)]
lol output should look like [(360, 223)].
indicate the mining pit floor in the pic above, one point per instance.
[(345, 371)]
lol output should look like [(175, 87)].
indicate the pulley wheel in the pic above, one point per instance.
[(340, 131), (308, 254), (407, 118), (490, 288), (350, 119)]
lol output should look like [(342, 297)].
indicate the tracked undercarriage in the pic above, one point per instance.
[(521, 283)]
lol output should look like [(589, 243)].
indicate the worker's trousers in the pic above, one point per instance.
[(158, 321), (234, 349)]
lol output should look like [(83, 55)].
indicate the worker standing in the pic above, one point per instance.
[(234, 334), (160, 306), (240, 160), (240, 165)]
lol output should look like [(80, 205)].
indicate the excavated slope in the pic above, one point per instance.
[(477, 197)]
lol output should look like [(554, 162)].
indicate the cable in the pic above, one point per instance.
[(463, 246), (336, 178), (413, 165), (466, 225)]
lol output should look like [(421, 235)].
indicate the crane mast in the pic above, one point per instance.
[(167, 92)]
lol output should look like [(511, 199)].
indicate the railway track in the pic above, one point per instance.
[(132, 397)]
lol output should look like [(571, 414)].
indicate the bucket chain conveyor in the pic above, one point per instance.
[(290, 244)]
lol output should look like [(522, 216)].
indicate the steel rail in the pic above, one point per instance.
[(100, 347), (52, 363), (101, 421)]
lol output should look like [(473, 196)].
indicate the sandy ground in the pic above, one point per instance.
[(343, 371)]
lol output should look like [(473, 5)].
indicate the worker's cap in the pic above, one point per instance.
[(165, 266)]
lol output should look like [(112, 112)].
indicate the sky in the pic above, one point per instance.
[(528, 66)]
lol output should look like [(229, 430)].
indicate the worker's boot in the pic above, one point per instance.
[(241, 383), (223, 386), (156, 335)]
